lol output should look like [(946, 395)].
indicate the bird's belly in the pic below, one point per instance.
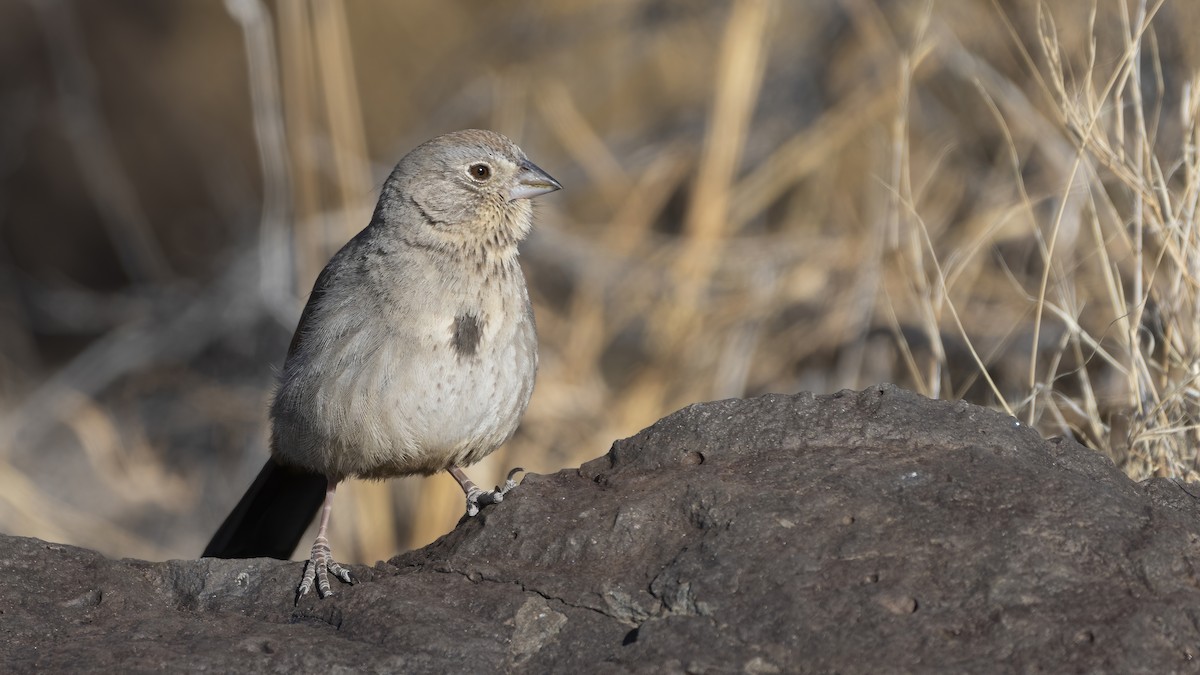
[(408, 416), (468, 406), (378, 406)]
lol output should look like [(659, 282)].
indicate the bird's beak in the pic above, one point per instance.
[(531, 182)]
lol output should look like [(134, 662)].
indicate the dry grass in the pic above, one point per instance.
[(982, 199)]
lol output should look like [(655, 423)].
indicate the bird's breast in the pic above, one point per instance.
[(467, 396), (411, 389)]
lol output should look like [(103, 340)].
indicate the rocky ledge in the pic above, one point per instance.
[(873, 531)]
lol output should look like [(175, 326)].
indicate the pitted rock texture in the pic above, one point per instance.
[(873, 531)]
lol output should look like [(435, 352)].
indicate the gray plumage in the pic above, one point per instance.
[(417, 351)]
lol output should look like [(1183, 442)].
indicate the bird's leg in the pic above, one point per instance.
[(476, 497), (320, 562)]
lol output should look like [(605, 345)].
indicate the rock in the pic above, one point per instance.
[(860, 532)]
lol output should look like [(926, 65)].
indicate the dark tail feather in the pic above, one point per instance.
[(271, 517)]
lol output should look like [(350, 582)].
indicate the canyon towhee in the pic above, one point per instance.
[(416, 352)]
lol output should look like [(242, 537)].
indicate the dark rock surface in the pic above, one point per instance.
[(861, 532)]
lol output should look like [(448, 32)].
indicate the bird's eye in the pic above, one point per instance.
[(480, 172)]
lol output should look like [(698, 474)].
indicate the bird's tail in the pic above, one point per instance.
[(271, 517)]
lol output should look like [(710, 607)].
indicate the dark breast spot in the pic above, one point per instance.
[(467, 332)]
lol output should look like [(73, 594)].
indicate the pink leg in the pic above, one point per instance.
[(320, 561), (468, 486)]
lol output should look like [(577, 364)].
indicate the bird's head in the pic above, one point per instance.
[(469, 183)]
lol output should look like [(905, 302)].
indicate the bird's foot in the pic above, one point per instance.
[(477, 498), (320, 564)]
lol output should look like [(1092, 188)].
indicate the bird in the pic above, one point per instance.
[(416, 352)]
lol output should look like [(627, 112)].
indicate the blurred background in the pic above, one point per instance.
[(983, 199)]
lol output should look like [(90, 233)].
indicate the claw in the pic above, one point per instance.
[(473, 497), (320, 563), (509, 483), (477, 498)]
